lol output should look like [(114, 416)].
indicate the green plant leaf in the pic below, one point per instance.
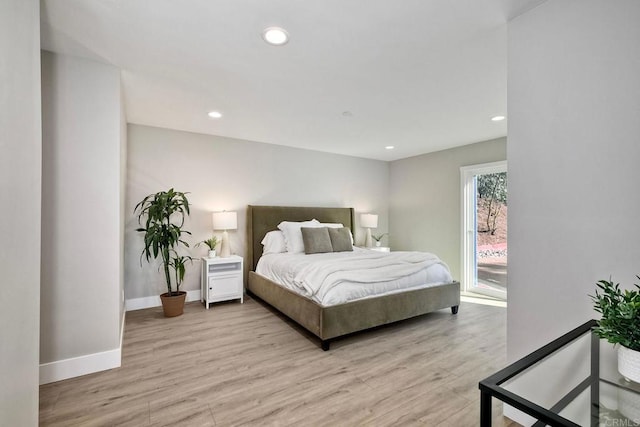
[(620, 309), (163, 214)]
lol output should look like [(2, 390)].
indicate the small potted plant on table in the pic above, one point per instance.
[(211, 243), (378, 238), (620, 324), (163, 214)]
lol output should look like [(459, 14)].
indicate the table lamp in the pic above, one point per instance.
[(225, 221), (368, 221)]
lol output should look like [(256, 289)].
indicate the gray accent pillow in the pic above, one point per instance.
[(316, 240), (341, 239)]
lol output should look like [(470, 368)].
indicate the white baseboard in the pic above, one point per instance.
[(140, 303), (154, 301), (83, 365)]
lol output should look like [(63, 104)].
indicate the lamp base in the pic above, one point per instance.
[(225, 248), (368, 240)]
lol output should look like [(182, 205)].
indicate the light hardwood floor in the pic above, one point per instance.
[(243, 364)]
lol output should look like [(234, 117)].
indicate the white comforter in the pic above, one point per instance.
[(338, 277)]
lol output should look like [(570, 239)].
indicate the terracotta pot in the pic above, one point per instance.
[(173, 305)]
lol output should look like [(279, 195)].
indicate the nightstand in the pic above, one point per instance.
[(221, 279), (380, 248)]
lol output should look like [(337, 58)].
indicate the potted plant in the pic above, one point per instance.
[(163, 214), (211, 243), (620, 324), (378, 238)]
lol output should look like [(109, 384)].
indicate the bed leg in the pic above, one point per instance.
[(325, 344), (454, 309)]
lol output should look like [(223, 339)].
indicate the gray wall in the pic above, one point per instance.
[(425, 200), (574, 127), (228, 174), (81, 208), (20, 172)]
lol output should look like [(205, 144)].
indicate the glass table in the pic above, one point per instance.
[(572, 381)]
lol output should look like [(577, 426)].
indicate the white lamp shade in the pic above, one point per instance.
[(369, 220), (225, 220)]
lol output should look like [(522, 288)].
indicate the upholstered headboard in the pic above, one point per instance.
[(262, 219)]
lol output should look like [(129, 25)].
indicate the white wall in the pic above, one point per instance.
[(223, 173), (574, 108), (20, 173), (574, 153), (425, 201), (123, 211), (81, 214)]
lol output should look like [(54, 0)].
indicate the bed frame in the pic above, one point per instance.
[(328, 323)]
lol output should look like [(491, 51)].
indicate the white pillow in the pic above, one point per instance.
[(293, 235), (331, 224), (273, 243), (336, 225)]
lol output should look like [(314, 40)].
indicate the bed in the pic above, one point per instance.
[(330, 322)]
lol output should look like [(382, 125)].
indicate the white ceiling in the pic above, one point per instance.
[(422, 75)]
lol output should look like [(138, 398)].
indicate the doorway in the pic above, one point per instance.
[(484, 229)]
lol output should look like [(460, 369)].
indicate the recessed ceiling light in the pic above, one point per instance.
[(275, 35), (498, 118), (389, 147), (214, 114)]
